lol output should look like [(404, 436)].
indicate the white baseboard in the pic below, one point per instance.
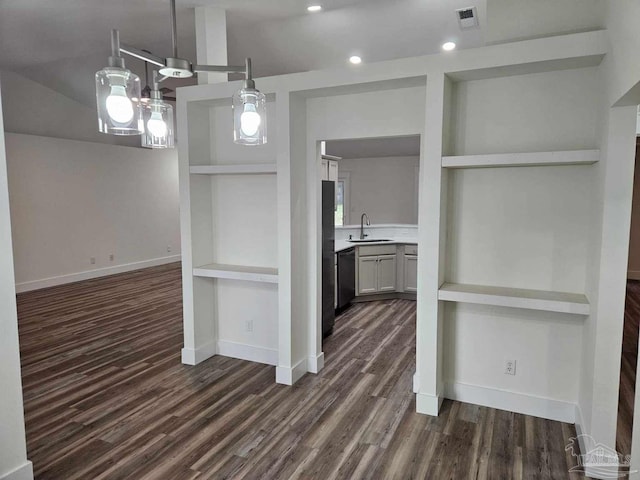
[(90, 274), (192, 356), (247, 352), (511, 401), (315, 363), (428, 404), (23, 472), (290, 375), (633, 275)]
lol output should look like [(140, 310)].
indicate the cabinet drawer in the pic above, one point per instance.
[(411, 249), (376, 250)]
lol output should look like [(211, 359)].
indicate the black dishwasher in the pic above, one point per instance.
[(346, 278)]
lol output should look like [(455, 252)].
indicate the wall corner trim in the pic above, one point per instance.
[(192, 356), (315, 363), (428, 404), (290, 375)]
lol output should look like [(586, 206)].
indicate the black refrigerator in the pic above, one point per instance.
[(328, 257)]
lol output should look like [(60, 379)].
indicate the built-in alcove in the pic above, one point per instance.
[(519, 154), (230, 237)]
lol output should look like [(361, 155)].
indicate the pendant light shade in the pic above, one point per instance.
[(249, 117), (118, 99), (157, 117)]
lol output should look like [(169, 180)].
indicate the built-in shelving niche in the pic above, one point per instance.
[(548, 301), (233, 235), (236, 169), (237, 272), (528, 159), (527, 228)]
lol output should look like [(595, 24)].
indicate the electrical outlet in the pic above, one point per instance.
[(169, 248), (111, 257), (249, 325), (92, 260), (510, 367)]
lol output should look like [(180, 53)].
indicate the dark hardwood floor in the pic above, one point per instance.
[(106, 397), (628, 367)]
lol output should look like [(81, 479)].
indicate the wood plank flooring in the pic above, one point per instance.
[(628, 367), (106, 397)]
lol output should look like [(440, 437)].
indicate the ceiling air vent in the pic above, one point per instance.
[(467, 18)]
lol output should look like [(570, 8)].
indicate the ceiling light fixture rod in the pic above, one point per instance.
[(115, 60), (219, 68), (142, 55), (157, 78), (174, 30)]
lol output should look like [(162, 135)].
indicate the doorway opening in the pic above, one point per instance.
[(369, 226)]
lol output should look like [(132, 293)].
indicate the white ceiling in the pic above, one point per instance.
[(62, 43), (375, 147)]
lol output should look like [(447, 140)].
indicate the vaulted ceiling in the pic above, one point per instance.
[(62, 43)]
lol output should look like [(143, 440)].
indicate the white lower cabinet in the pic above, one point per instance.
[(411, 273), (376, 274), (387, 269), (367, 275), (387, 273)]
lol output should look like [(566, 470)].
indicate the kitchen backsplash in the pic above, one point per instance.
[(377, 231)]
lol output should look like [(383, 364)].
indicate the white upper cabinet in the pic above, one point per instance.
[(329, 170)]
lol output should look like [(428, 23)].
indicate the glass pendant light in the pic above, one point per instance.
[(118, 96), (249, 113), (157, 119)]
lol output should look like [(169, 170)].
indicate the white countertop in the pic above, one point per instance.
[(344, 244)]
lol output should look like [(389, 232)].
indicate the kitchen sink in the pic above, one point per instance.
[(370, 240)]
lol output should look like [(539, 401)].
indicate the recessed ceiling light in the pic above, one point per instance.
[(355, 59), (314, 8), (448, 46)]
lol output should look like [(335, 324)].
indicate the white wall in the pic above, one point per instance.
[(623, 73), (384, 188), (13, 450), (520, 227), (71, 201), (511, 20), (527, 113), (31, 108)]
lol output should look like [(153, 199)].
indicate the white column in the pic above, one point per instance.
[(432, 226), (13, 448), (211, 41), (284, 370), (617, 191)]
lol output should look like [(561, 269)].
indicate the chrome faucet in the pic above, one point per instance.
[(362, 217)]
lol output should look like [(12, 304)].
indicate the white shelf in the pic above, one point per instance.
[(246, 169), (237, 272), (569, 157), (547, 301)]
